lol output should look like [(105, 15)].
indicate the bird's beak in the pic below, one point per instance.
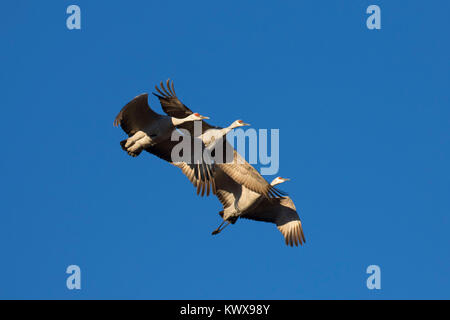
[(246, 124), (286, 179), (204, 117)]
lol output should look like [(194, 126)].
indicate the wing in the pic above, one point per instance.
[(201, 174), (173, 107), (136, 115), (245, 174), (238, 169), (226, 188), (282, 212), (170, 102)]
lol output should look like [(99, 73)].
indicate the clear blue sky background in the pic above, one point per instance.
[(364, 119)]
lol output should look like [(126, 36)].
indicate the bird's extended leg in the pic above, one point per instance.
[(136, 143), (220, 228), (134, 138)]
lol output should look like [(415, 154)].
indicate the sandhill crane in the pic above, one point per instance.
[(237, 168), (211, 139), (283, 213), (239, 202), (150, 131), (212, 136)]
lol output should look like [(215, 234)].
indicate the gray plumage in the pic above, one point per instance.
[(150, 131), (240, 202), (236, 168)]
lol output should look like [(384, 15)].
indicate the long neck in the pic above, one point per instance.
[(178, 121), (223, 132)]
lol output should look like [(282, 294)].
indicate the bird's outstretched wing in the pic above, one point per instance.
[(199, 172), (245, 174), (238, 169), (136, 115), (226, 188), (173, 107), (282, 212)]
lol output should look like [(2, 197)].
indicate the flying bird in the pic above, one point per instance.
[(211, 137), (150, 131), (240, 202), (236, 168), (240, 188), (283, 213)]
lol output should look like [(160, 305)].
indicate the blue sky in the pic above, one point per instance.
[(364, 119)]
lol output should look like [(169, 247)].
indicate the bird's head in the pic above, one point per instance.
[(279, 180), (197, 116), (238, 123)]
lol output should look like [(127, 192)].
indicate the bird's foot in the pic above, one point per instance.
[(220, 228)]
